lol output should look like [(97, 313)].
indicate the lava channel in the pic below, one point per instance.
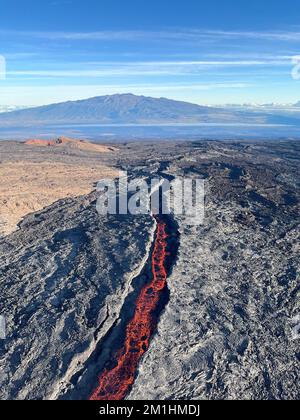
[(115, 383)]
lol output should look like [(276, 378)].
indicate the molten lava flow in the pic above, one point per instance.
[(115, 384)]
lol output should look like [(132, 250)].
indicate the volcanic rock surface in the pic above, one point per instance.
[(64, 276), (229, 329)]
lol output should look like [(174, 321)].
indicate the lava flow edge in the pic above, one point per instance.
[(115, 382)]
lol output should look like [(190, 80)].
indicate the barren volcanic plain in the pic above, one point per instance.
[(225, 321), (36, 173)]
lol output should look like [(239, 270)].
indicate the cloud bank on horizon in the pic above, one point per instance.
[(221, 52)]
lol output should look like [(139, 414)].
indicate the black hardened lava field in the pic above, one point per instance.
[(150, 306)]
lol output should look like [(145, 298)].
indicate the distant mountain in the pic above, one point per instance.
[(131, 109), (10, 108)]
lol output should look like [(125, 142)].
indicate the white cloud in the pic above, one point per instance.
[(2, 68), (290, 36), (175, 34), (154, 68)]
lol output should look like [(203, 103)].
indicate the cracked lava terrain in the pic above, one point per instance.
[(93, 288), (115, 384)]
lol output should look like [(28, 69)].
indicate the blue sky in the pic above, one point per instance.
[(212, 52)]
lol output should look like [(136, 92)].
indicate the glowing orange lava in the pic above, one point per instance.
[(115, 384)]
